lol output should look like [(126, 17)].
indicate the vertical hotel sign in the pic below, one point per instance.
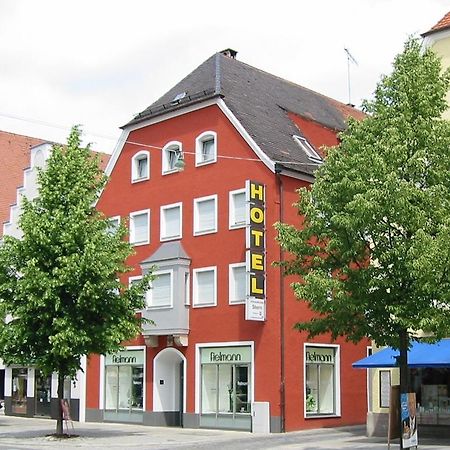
[(255, 304)]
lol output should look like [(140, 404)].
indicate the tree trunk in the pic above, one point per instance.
[(404, 378), (59, 420)]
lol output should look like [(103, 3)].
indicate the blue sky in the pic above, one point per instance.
[(99, 62)]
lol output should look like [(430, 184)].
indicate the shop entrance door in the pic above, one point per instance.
[(168, 386), (43, 390)]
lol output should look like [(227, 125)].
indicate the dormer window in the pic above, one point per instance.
[(308, 149), (140, 167), (172, 157), (206, 148)]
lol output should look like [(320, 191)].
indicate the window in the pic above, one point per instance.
[(140, 167), (124, 383), (206, 148), (308, 149), (139, 227), (170, 222), (205, 215), (171, 157), (225, 384), (187, 289), (237, 283), (113, 225), (321, 381), (237, 208), (160, 293), (205, 287)]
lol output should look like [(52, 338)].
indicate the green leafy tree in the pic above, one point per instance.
[(59, 290), (373, 250)]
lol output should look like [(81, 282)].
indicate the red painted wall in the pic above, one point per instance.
[(224, 322)]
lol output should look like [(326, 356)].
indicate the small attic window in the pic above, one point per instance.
[(178, 97), (308, 149)]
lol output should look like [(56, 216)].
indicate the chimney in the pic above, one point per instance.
[(230, 53)]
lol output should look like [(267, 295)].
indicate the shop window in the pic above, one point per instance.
[(205, 215), (160, 295), (170, 222), (206, 148), (139, 227), (19, 390), (321, 380), (172, 159), (237, 209), (237, 283), (225, 382), (124, 382), (140, 167), (205, 287)]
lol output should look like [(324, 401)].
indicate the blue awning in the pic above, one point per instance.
[(420, 354)]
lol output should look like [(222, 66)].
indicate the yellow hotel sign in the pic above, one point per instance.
[(256, 251)]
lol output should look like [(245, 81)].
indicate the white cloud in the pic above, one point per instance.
[(99, 62)]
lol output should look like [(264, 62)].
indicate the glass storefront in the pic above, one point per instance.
[(124, 386), (432, 388), (226, 387), (320, 373), (43, 386), (19, 390)]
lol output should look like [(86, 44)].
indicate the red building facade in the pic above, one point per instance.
[(200, 177)]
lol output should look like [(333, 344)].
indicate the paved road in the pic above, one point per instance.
[(31, 434)]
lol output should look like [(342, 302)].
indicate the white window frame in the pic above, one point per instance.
[(232, 283), (195, 303), (308, 149), (337, 380), (135, 178), (113, 219), (132, 232), (169, 147), (148, 296), (204, 137), (187, 288), (162, 222), (198, 232), (232, 209)]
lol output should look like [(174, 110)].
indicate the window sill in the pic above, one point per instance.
[(237, 226), (137, 244), (201, 233), (170, 238), (209, 305), (205, 163), (236, 302), (321, 416), (138, 180), (168, 172), (152, 308)]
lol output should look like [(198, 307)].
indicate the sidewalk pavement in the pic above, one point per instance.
[(31, 433)]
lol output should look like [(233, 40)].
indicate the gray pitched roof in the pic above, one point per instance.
[(260, 101)]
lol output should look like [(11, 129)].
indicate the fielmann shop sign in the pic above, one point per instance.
[(255, 304)]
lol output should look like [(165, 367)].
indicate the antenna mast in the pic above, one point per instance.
[(350, 59)]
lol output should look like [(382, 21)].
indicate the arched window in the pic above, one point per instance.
[(206, 148), (140, 166), (172, 159)]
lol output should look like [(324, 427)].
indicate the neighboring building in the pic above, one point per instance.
[(25, 389), (201, 176), (14, 159), (438, 38)]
